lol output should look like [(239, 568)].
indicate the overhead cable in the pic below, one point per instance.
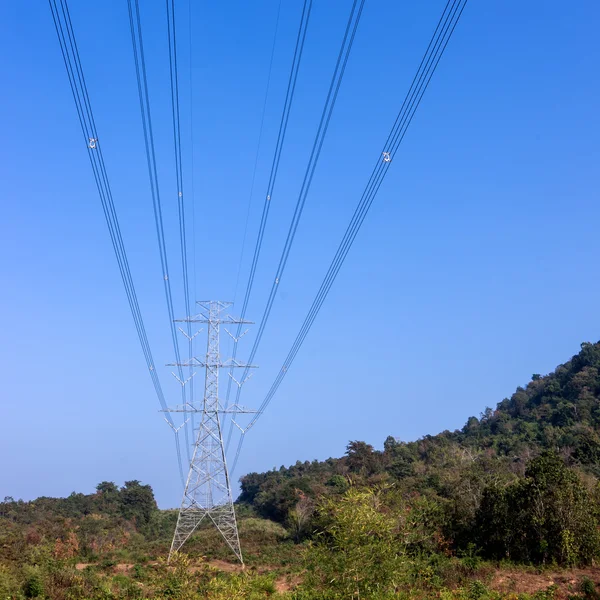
[(135, 26), (283, 123), (192, 186), (332, 94), (258, 146), (253, 180), (70, 53), (437, 45), (176, 121)]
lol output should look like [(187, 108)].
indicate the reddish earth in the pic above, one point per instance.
[(288, 583), (222, 565), (567, 581)]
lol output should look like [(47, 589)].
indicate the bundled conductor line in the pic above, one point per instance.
[(437, 45), (70, 53)]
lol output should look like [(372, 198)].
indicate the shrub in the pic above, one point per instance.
[(34, 584), (588, 588)]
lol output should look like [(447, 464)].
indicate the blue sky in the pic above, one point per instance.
[(476, 267)]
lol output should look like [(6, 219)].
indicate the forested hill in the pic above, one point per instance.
[(559, 411)]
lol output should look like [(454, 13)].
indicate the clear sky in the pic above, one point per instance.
[(477, 266)]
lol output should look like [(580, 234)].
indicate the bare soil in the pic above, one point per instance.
[(567, 581)]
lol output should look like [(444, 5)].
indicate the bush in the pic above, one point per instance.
[(470, 560), (107, 563), (588, 588), (477, 590), (9, 583), (34, 584), (356, 552), (546, 516)]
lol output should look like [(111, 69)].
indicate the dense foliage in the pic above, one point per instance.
[(491, 490), (82, 525)]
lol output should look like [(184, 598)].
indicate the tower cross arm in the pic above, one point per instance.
[(231, 362), (188, 408), (225, 321), (238, 409), (181, 408), (228, 364)]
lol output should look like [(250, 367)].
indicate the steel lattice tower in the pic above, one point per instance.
[(208, 490)]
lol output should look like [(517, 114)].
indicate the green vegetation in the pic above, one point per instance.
[(518, 483), (492, 511)]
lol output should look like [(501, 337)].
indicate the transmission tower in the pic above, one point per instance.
[(208, 489)]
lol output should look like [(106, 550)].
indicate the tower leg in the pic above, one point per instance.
[(207, 491)]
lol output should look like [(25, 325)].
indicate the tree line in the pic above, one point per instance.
[(520, 482)]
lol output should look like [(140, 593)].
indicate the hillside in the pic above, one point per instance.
[(506, 507), (558, 412)]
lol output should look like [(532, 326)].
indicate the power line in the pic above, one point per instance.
[(279, 145), (135, 26), (285, 115), (253, 180), (437, 45), (334, 88), (174, 80), (193, 194), (260, 134), (70, 53)]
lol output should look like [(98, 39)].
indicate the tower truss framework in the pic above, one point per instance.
[(207, 491)]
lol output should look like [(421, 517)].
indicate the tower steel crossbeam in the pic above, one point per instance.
[(208, 489)]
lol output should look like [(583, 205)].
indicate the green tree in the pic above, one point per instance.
[(356, 553), (548, 515), (137, 502), (362, 459)]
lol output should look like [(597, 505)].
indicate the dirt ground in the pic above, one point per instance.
[(519, 581)]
